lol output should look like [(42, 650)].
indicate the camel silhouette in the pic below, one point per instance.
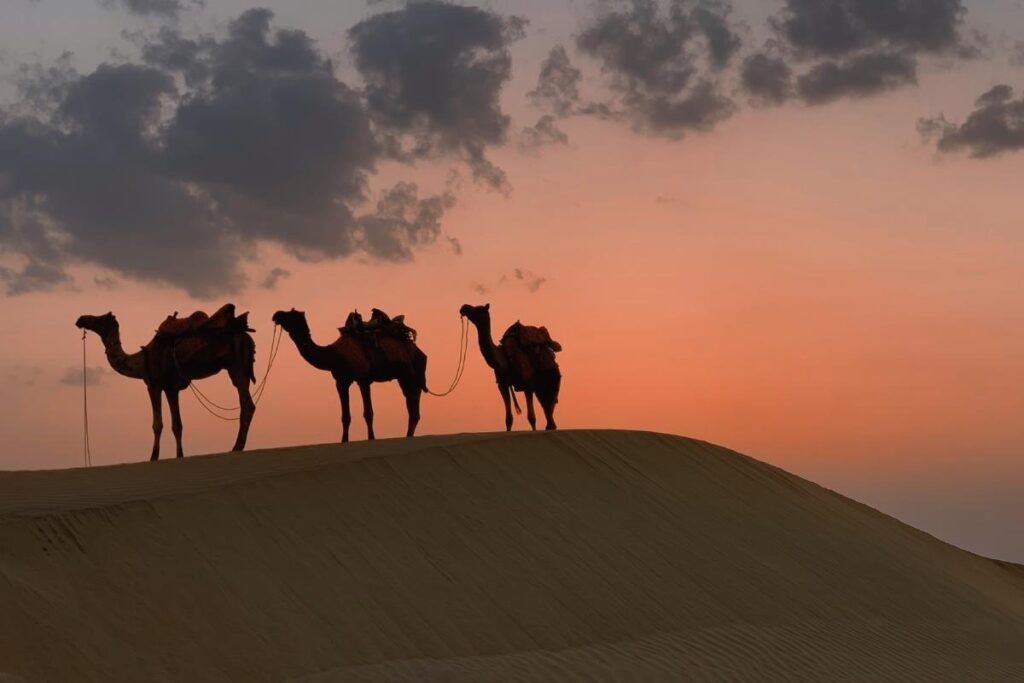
[(184, 350), (364, 361), (530, 368)]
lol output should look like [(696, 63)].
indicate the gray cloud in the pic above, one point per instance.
[(856, 48), (433, 76), (996, 126), (544, 133), (766, 78), (1017, 53), (557, 88), (859, 76), (171, 170), (275, 275), (164, 8), (519, 276), (663, 64), (833, 28), (73, 376)]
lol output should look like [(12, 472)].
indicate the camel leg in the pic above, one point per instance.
[(531, 416), (176, 427), (241, 381), (346, 408), (548, 404), (506, 396), (158, 421), (364, 389), (412, 392)]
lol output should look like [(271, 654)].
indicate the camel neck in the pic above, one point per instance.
[(129, 365), (314, 354), (487, 347)]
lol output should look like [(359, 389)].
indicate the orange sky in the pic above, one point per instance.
[(812, 287)]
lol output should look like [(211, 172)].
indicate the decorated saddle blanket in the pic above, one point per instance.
[(379, 325), (529, 350), (223, 320)]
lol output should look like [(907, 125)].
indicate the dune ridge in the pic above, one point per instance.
[(589, 555)]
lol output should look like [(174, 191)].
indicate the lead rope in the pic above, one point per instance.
[(211, 407), (85, 407), (463, 350)]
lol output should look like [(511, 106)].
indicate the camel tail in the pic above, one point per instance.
[(422, 368), (515, 402)]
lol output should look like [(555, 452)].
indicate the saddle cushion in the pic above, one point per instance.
[(199, 321)]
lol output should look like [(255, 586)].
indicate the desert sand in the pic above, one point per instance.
[(578, 556)]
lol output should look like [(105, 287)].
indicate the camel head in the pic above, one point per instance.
[(100, 324), (293, 322), (476, 314)]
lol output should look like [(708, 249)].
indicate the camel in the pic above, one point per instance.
[(184, 350), (530, 369), (350, 359)]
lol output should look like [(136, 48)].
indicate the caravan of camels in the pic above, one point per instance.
[(380, 349)]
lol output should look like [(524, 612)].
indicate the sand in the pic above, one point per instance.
[(578, 556)]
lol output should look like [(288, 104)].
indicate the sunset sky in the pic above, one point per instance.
[(793, 228)]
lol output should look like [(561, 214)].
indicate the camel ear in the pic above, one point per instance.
[(487, 307)]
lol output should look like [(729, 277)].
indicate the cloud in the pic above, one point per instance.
[(557, 88), (23, 375), (73, 376), (833, 28), (433, 76), (996, 126), (531, 281), (1017, 53), (271, 279), (518, 276), (855, 48), (162, 8), (173, 169), (542, 134), (766, 78), (860, 76), (663, 66)]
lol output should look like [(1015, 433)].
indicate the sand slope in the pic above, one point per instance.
[(570, 556)]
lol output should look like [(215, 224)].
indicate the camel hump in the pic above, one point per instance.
[(528, 336), (223, 319)]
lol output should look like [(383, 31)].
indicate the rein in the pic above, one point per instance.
[(212, 407), (461, 368), (85, 407)]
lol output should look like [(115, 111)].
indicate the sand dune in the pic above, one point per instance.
[(533, 557)]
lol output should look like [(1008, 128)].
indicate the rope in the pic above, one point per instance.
[(211, 407), (463, 352), (85, 406)]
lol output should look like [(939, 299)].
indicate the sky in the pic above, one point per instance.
[(792, 228)]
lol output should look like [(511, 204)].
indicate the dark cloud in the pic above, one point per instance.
[(271, 279), (172, 170), (856, 48), (542, 134), (105, 282), (994, 127), (73, 376), (766, 78), (663, 64), (433, 76), (1017, 53), (859, 76), (833, 28), (557, 88), (163, 8)]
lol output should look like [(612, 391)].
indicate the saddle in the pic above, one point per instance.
[(223, 320), (530, 337), (379, 325), (529, 349)]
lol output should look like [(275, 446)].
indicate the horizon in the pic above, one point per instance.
[(797, 241)]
